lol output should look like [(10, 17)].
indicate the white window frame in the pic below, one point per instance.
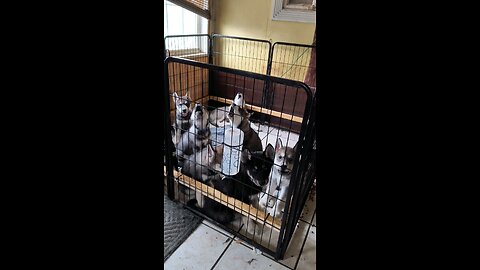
[(199, 48), (199, 18), (283, 11)]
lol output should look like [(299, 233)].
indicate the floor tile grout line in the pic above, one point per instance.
[(268, 257), (304, 241), (300, 253), (221, 255), (225, 250), (304, 221), (216, 230)]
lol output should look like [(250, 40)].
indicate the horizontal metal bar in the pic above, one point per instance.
[(241, 38), (192, 35), (293, 44), (259, 76)]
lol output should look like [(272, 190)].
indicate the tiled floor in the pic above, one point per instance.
[(210, 247)]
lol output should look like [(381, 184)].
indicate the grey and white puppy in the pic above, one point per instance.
[(198, 165), (218, 117), (239, 118), (198, 135), (183, 112), (280, 175)]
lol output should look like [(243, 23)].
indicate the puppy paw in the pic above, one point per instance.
[(271, 212), (205, 178)]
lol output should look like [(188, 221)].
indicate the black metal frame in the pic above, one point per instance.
[(285, 44), (215, 37), (303, 172), (307, 171), (218, 36), (291, 214), (270, 94)]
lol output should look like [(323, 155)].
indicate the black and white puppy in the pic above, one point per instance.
[(240, 118), (183, 112), (245, 186), (197, 136), (280, 175)]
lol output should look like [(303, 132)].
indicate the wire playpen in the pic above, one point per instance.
[(243, 130)]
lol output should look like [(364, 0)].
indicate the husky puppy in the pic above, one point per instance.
[(239, 118), (276, 194), (200, 163), (218, 116), (198, 166), (198, 135), (245, 186), (183, 112)]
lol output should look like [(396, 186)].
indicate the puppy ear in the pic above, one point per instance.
[(175, 96), (278, 145), (269, 152), (246, 155), (211, 151), (244, 113), (219, 149)]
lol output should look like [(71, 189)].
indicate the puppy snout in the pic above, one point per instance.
[(239, 95), (284, 167), (198, 108), (184, 110)]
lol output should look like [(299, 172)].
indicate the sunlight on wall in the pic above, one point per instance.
[(253, 19)]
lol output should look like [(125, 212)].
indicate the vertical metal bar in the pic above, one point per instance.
[(303, 150), (170, 191), (211, 90), (267, 101), (296, 208)]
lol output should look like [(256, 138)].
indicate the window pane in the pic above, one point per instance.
[(179, 21)]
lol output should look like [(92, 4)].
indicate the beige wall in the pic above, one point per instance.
[(253, 18)]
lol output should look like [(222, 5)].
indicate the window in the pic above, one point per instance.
[(295, 10), (300, 4), (180, 21)]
